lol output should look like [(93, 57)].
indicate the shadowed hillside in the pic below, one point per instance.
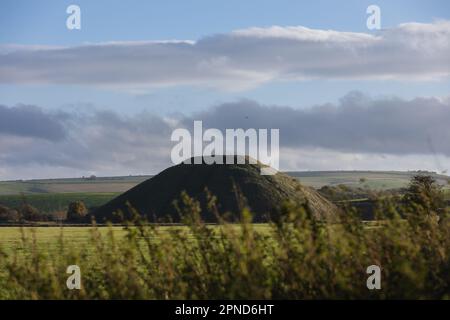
[(235, 186)]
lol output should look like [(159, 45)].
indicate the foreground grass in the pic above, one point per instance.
[(295, 257)]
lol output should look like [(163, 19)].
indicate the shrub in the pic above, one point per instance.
[(77, 211), (425, 192)]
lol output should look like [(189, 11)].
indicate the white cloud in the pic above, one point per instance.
[(317, 159), (238, 60)]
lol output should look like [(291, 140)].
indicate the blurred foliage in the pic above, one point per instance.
[(298, 257)]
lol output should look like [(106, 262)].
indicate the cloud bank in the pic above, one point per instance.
[(238, 60), (30, 121), (359, 132), (357, 123)]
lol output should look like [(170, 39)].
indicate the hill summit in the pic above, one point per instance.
[(234, 186)]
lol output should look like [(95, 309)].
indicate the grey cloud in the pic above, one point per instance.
[(98, 141), (356, 124), (358, 127), (30, 121), (240, 59)]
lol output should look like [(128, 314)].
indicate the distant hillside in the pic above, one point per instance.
[(71, 185), (380, 180), (231, 184)]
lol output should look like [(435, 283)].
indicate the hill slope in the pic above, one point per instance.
[(229, 183)]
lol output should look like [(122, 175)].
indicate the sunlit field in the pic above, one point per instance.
[(49, 237)]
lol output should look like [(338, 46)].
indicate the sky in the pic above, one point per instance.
[(104, 99)]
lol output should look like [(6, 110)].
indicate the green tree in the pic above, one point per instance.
[(425, 194), (77, 211)]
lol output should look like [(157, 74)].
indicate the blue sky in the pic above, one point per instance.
[(43, 23), (250, 54)]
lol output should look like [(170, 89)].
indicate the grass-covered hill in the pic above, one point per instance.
[(235, 186)]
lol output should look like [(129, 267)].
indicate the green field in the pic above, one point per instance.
[(10, 237), (48, 237), (371, 179), (377, 180), (71, 185), (54, 202)]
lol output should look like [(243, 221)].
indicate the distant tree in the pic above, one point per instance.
[(362, 180), (29, 213), (424, 191), (77, 211), (7, 214)]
